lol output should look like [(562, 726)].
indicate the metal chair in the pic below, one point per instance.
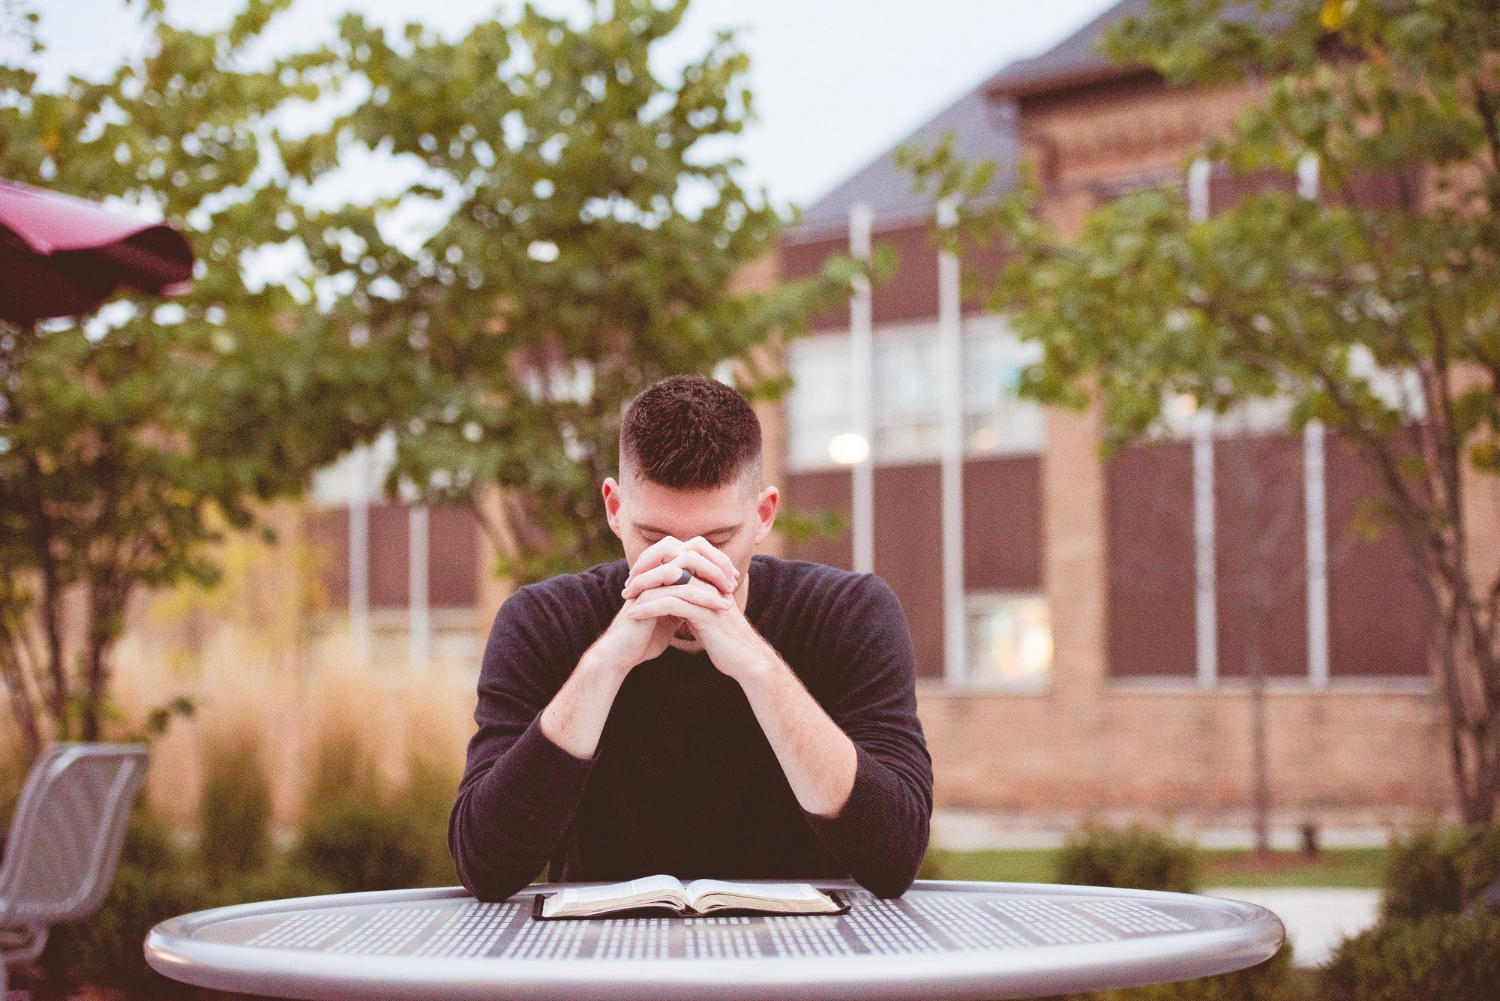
[(64, 841)]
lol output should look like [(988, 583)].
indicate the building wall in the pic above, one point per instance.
[(1149, 518), (453, 555), (1348, 755), (1002, 535), (1123, 727)]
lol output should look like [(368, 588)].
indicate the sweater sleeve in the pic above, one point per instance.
[(519, 790), (880, 835)]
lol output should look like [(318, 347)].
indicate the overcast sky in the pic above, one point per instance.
[(836, 82)]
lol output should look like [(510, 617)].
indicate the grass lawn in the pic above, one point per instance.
[(1337, 867)]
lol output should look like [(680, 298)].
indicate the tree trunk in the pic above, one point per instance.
[(106, 623), (22, 707), (1467, 680), (57, 702), (1260, 766)]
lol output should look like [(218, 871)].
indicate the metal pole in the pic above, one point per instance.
[(1315, 492), (1198, 190), (1307, 176), (419, 620), (1206, 604), (861, 395), (1315, 496), (951, 454), (359, 557)]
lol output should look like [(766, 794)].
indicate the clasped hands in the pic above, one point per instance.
[(657, 608)]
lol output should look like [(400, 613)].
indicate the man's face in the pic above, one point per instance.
[(733, 518)]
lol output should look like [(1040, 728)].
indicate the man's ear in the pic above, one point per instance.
[(611, 491), (765, 510)]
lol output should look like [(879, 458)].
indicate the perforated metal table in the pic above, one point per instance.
[(942, 940)]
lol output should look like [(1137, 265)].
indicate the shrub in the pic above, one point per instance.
[(425, 802), (1272, 980), (155, 880), (360, 837), (360, 846), (1137, 857), (278, 881), (234, 810), (1449, 956), (1439, 871)]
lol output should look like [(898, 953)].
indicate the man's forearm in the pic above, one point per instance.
[(506, 825), (817, 757), (575, 717)]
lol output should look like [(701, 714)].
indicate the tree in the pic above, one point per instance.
[(596, 233), (130, 442), (592, 240), (1379, 318)]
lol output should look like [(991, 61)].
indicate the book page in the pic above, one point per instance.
[(584, 901), (772, 891), (652, 886)]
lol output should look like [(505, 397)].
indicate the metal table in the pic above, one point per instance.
[(962, 941)]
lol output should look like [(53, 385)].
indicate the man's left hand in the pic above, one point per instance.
[(817, 758), (728, 638)]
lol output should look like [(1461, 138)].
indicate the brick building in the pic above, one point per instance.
[(1083, 629)]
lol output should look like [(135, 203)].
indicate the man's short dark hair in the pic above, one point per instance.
[(689, 432)]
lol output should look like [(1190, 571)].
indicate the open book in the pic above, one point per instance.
[(701, 896)]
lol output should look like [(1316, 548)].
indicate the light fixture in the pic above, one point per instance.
[(849, 449)]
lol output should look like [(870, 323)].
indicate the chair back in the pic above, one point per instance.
[(68, 829)]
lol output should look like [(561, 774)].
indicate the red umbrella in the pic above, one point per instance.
[(61, 256)]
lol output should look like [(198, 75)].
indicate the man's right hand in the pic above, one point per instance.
[(575, 717), (628, 642)]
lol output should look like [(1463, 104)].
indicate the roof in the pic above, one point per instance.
[(1076, 59), (1079, 59), (983, 132), (985, 122)]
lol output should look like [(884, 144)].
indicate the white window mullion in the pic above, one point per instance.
[(359, 556), (861, 367), (419, 618), (1316, 521), (951, 454), (1206, 604)]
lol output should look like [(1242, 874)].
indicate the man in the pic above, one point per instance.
[(691, 709)]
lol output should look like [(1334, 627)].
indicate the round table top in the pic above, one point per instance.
[(941, 940)]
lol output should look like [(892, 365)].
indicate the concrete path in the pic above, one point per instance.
[(965, 831), (1316, 920)]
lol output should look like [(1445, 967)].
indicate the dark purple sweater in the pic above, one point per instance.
[(683, 780)]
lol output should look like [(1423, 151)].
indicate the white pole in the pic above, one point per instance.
[(1316, 518), (951, 455), (419, 620), (1315, 496), (1307, 176), (359, 557), (1198, 191), (861, 395), (1206, 603), (1203, 546)]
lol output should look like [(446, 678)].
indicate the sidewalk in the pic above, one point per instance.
[(964, 831), (1316, 920)]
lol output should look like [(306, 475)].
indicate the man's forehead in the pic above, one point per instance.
[(652, 507), (747, 481)]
